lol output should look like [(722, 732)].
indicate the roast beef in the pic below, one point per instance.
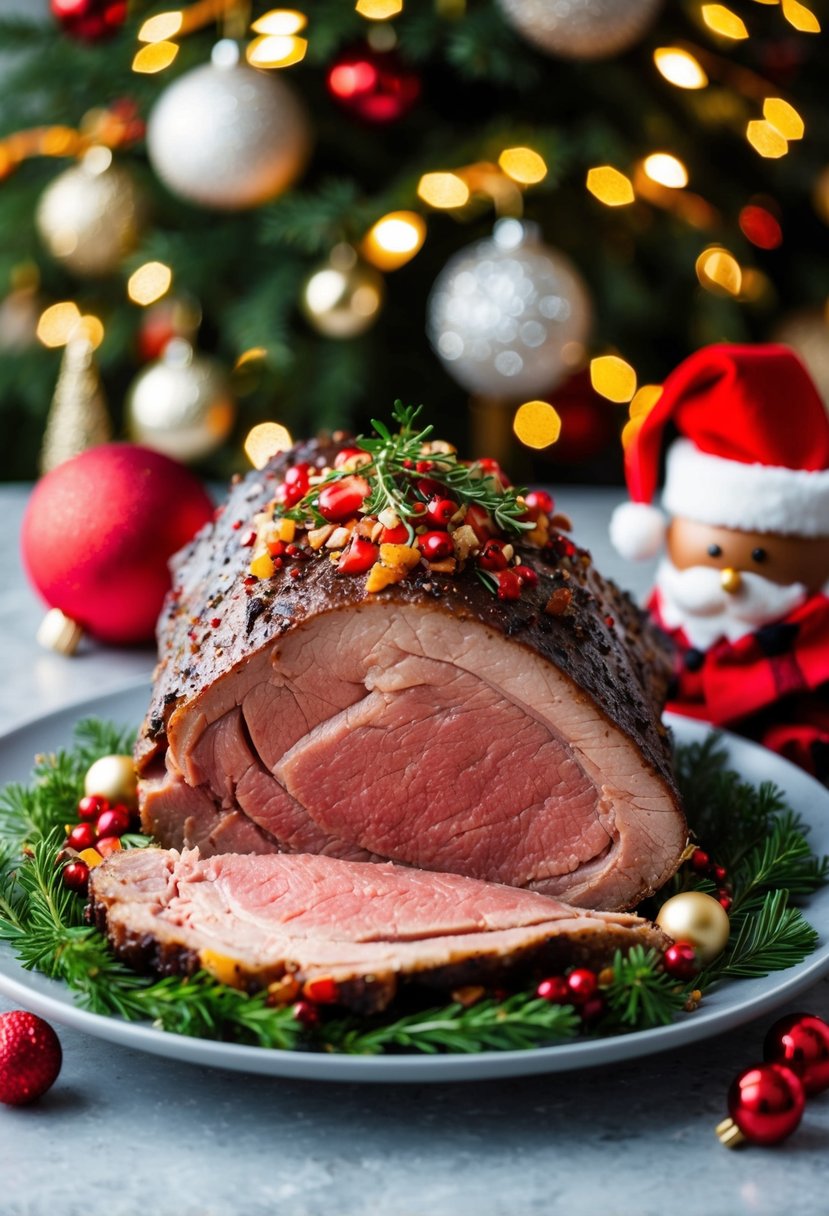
[(431, 723), (370, 929)]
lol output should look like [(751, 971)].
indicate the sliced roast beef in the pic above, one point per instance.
[(253, 920), (430, 724)]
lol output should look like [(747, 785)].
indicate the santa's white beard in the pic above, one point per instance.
[(694, 600)]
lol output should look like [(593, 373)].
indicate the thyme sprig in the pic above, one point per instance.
[(392, 475), (43, 922)]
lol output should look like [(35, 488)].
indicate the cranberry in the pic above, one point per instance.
[(592, 1009), (296, 484), (480, 521), (323, 991), (341, 500), (436, 545), (540, 501), (700, 861), (492, 556), (719, 874), (113, 822), (424, 466), (527, 575), (345, 455), (724, 900), (429, 488), (398, 535), (81, 837), (92, 805), (680, 961), (360, 556), (493, 469), (554, 990), (439, 511), (583, 984), (248, 539), (306, 1013), (76, 876), (509, 585), (276, 548), (108, 844)]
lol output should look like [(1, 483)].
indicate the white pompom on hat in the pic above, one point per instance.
[(753, 453)]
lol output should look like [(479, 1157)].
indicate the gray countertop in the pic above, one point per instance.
[(124, 1133)]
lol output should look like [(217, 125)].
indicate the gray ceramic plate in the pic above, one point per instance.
[(736, 1003)]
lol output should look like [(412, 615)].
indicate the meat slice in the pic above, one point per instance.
[(431, 725), (371, 929)]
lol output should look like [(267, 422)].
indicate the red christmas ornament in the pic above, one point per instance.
[(373, 85), (765, 1104), (680, 961), (801, 1042), (99, 530), (588, 421), (760, 226), (76, 876), (82, 836), (89, 20), (30, 1057)]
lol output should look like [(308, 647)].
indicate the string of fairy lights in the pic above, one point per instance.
[(278, 40)]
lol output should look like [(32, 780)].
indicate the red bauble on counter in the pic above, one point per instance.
[(99, 530)]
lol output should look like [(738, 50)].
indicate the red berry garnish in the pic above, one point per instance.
[(341, 500), (439, 511), (509, 585), (555, 990), (248, 539), (582, 983), (592, 1009), (424, 466), (398, 535), (113, 822), (493, 469), (275, 547), (82, 836), (680, 961), (360, 556), (30, 1057), (91, 806), (527, 575), (296, 484), (108, 844), (345, 455), (719, 874), (724, 900), (429, 488), (700, 861), (492, 556), (306, 1013), (540, 500), (76, 876), (436, 545), (323, 991)]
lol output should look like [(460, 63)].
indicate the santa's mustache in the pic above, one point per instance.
[(695, 599)]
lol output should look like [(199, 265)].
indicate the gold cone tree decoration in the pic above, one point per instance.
[(78, 417)]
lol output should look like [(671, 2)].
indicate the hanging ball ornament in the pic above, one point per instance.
[(113, 777), (508, 316), (581, 29), (698, 919), (801, 1042), (99, 530), (375, 86), (90, 216), (765, 1105), (342, 297), (181, 404), (89, 20), (30, 1057), (227, 136)]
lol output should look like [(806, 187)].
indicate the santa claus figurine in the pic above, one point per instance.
[(743, 584)]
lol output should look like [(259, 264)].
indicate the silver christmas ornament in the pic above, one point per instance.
[(342, 298), (182, 404), (508, 316), (581, 29), (227, 136), (89, 217)]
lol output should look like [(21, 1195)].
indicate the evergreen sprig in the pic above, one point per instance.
[(641, 994)]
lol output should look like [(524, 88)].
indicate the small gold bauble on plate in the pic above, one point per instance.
[(224, 135), (113, 778), (581, 29), (699, 919), (342, 298), (181, 404), (89, 217)]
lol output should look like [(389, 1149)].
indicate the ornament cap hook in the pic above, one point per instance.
[(729, 1134)]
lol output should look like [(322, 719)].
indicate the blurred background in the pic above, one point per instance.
[(522, 213)]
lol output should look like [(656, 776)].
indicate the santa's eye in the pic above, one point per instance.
[(714, 551), (759, 555)]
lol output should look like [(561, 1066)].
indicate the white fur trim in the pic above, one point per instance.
[(637, 530), (751, 497)]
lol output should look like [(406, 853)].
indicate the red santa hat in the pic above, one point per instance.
[(753, 451)]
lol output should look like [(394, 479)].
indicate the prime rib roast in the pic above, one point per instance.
[(368, 930), (430, 723)]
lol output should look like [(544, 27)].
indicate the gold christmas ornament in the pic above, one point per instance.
[(90, 217), (699, 919), (78, 417), (113, 778), (227, 136), (342, 298), (181, 404), (581, 29)]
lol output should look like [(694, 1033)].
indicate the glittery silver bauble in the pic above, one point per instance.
[(343, 296), (90, 215), (181, 405), (807, 333), (581, 29), (224, 135), (508, 316)]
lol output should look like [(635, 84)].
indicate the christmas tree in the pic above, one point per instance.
[(259, 214)]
